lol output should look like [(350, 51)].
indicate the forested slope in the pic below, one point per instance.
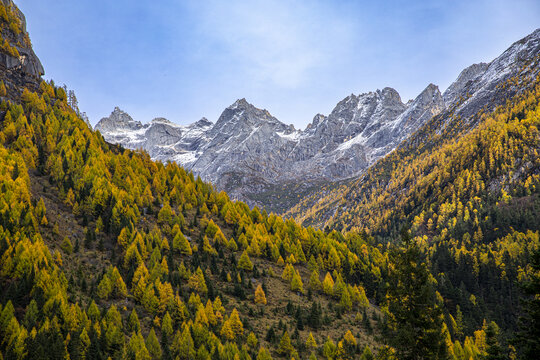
[(107, 254)]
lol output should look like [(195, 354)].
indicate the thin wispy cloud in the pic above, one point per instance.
[(185, 59), (281, 42)]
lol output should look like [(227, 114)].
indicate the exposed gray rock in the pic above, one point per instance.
[(26, 69), (248, 152), (467, 76), (483, 90), (119, 121)]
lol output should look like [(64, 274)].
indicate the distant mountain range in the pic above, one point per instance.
[(256, 158)]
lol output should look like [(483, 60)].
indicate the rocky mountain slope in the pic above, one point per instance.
[(474, 97), (19, 65), (248, 152), (256, 158)]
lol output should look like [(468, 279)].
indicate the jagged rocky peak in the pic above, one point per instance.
[(118, 120), (430, 98), (248, 150), (456, 89), (359, 113), (390, 97), (352, 109), (204, 122), (317, 119), (240, 103), (522, 52), (243, 116), (429, 103), (479, 87), (432, 91)]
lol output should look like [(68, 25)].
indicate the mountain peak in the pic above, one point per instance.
[(534, 35), (430, 92), (240, 103), (429, 103), (469, 74), (390, 95), (118, 120), (204, 122), (389, 90), (478, 85)]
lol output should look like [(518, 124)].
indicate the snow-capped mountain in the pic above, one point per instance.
[(248, 152), (247, 149)]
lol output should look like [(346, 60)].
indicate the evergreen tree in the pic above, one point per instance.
[(226, 330), (66, 245), (493, 347), (152, 344), (314, 318), (183, 345), (367, 354), (263, 354), (181, 244), (458, 331), (416, 319), (329, 348), (314, 281), (137, 349), (197, 282), (328, 284), (528, 337), (133, 322), (3, 90), (285, 345), (252, 340), (310, 342), (296, 283), (236, 324), (346, 302)]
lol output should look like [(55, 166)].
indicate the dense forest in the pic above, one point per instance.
[(105, 253)]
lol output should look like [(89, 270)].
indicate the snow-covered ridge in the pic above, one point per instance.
[(251, 142)]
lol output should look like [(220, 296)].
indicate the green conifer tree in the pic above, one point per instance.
[(416, 319)]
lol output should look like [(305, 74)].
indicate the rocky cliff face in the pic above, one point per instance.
[(248, 152), (254, 157), (465, 78), (19, 65), (480, 85)]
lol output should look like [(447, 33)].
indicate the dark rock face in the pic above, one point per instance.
[(22, 68)]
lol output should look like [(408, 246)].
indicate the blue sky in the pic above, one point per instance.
[(185, 59)]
